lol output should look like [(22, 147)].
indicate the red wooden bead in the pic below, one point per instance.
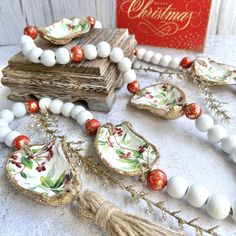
[(186, 63), (157, 179), (133, 87), (92, 126), (77, 53), (135, 51), (32, 106), (31, 31), (192, 111), (20, 141), (92, 21)]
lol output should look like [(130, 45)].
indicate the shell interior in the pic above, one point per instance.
[(46, 171), (123, 150), (67, 27), (213, 72), (164, 100)]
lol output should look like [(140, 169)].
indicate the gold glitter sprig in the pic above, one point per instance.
[(215, 105), (73, 150)]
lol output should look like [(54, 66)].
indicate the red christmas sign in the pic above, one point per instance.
[(178, 24)]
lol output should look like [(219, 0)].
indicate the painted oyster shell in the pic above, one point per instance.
[(164, 100), (62, 32), (125, 151), (213, 72), (43, 173)]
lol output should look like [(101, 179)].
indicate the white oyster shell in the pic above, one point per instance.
[(125, 151), (213, 72), (45, 174), (164, 100), (63, 31)]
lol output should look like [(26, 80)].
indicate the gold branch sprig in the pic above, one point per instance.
[(215, 105), (73, 150)]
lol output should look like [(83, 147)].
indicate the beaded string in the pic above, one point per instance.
[(217, 206)]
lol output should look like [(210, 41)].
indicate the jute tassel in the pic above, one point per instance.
[(94, 208)]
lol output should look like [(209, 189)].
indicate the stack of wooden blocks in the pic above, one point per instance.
[(93, 82)]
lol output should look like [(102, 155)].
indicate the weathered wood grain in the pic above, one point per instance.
[(91, 81), (15, 14)]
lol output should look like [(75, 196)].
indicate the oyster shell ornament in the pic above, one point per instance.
[(124, 151), (164, 100), (65, 30), (213, 72), (44, 173)]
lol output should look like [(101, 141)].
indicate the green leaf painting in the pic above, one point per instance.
[(26, 162)]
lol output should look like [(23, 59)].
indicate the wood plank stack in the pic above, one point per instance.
[(93, 82)]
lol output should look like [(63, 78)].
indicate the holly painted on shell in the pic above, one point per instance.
[(157, 179)]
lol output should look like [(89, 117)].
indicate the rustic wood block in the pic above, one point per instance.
[(91, 81)]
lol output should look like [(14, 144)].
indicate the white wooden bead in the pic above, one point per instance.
[(56, 106), (90, 52), (62, 56), (116, 55), (76, 110), (140, 53), (103, 49), (233, 206), (229, 143), (216, 134), (98, 25), (165, 61), (48, 58), (204, 123), (197, 195), (174, 64), (3, 132), (83, 116), (25, 39), (233, 155), (44, 103), (67, 108), (156, 58), (177, 187), (26, 47), (3, 123), (18, 109), (9, 138), (7, 115), (129, 76), (125, 64), (218, 207), (148, 56), (34, 54)]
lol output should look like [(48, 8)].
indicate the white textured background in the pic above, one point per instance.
[(15, 14), (184, 151)]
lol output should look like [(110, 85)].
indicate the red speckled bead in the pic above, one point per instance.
[(186, 63), (77, 53), (157, 179), (92, 21), (31, 31), (133, 87), (192, 111), (32, 106), (20, 141), (92, 126)]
